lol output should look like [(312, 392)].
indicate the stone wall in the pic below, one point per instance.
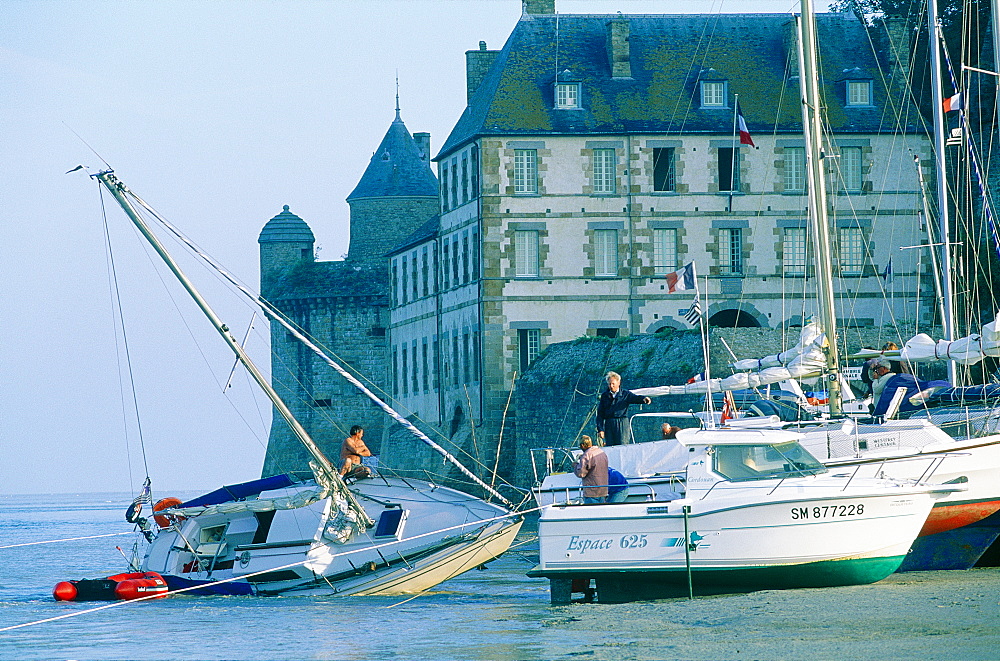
[(380, 224), (554, 401), (320, 398)]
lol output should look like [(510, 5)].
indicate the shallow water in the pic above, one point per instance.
[(498, 613)]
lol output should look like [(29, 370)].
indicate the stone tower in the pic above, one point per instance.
[(343, 305), (396, 194), (285, 241)]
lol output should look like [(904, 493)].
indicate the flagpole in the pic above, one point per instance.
[(703, 325), (732, 166)]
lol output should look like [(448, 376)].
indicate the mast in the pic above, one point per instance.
[(119, 191), (275, 314), (944, 232), (812, 126)]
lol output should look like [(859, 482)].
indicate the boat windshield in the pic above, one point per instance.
[(739, 463)]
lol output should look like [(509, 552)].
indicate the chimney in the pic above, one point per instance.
[(477, 65), (538, 6), (618, 51), (423, 141), (899, 34)]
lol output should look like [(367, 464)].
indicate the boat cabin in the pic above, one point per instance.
[(694, 460), (743, 455)]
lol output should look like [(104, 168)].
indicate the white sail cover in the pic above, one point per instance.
[(806, 359), (300, 499), (968, 350)]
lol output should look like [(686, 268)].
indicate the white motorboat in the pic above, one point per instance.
[(758, 512)]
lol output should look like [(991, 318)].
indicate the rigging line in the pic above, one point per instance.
[(503, 421), (472, 418), (974, 162), (87, 144), (709, 25), (117, 303), (276, 314), (180, 313), (256, 300), (68, 539)]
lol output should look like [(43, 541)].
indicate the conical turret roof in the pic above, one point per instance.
[(397, 169)]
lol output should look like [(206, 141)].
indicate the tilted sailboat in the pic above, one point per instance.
[(313, 533)]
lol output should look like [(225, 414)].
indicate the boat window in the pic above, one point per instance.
[(390, 523), (761, 462)]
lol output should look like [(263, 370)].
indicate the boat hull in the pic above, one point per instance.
[(434, 534), (958, 548), (639, 549), (429, 571), (952, 537), (625, 587)]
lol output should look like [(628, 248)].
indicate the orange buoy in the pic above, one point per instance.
[(64, 591), (162, 504)]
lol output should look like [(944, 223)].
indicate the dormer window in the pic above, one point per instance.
[(859, 92), (713, 94), (567, 95)]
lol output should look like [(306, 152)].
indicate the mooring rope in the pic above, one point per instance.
[(68, 539)]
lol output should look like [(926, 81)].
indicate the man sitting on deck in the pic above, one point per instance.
[(351, 452)]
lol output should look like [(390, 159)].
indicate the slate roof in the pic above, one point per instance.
[(428, 230), (330, 280), (755, 53), (396, 168), (286, 227)]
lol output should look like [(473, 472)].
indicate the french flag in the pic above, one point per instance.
[(681, 279), (953, 103), (741, 123)]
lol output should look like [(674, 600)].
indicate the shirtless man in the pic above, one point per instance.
[(351, 451)]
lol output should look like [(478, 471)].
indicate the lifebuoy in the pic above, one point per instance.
[(163, 504)]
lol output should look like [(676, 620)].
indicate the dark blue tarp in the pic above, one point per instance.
[(240, 491), (968, 394), (912, 385)]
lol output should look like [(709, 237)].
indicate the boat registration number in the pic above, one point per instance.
[(827, 511)]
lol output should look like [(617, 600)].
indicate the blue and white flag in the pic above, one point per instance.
[(887, 273), (693, 314)]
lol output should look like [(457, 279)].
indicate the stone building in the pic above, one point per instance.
[(598, 154), (344, 304)]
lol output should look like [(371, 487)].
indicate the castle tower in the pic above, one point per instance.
[(344, 304), (285, 241), (397, 193)]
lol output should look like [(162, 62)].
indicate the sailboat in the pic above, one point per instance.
[(915, 420), (314, 533), (696, 458)]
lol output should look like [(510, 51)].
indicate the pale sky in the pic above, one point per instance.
[(216, 114)]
